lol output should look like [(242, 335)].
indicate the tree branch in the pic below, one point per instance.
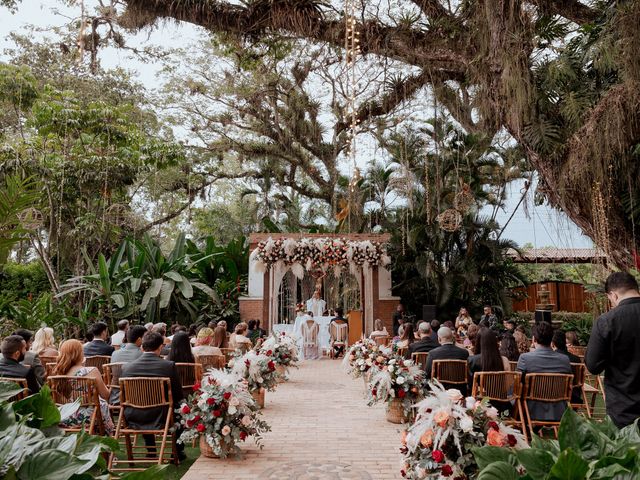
[(570, 9)]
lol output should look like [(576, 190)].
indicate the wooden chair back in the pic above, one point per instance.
[(146, 392), (339, 332), (48, 359), (21, 382), (577, 350), (69, 388), (112, 372), (454, 372), (189, 373), (211, 361), (402, 351), (514, 366), (97, 361), (548, 387), (579, 373), (48, 368), (579, 376), (420, 358), (244, 347), (382, 340), (498, 386)]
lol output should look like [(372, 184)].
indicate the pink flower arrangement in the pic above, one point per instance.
[(447, 426), (223, 411), (397, 379)]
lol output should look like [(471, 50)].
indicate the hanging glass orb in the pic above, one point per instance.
[(31, 218), (118, 214), (450, 220)]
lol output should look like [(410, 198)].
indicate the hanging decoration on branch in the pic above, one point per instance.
[(450, 220), (31, 218), (352, 50), (319, 254), (464, 199)]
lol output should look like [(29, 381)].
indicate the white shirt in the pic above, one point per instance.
[(316, 306), (117, 338)]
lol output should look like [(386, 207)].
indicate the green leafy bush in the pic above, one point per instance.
[(34, 313), (585, 450), (32, 446)]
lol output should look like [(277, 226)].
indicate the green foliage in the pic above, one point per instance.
[(581, 323), (140, 282), (21, 280), (16, 195), (585, 450), (31, 445), (33, 313)]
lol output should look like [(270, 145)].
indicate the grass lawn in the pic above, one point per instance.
[(174, 473)]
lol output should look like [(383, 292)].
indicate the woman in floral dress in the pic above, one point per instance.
[(71, 363)]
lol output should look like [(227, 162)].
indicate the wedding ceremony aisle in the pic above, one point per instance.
[(322, 429)]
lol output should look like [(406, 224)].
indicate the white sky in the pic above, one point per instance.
[(544, 227)]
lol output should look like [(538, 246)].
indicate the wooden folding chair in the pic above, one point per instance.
[(68, 389), (502, 387), (97, 361), (21, 382), (339, 335), (593, 390), (547, 388), (420, 358), (145, 393), (513, 366), (48, 359), (579, 372), (112, 372), (49, 368), (451, 372), (402, 351), (577, 351), (382, 340), (211, 361), (189, 373)]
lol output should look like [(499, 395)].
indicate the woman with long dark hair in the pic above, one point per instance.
[(181, 349), (408, 337), (487, 356), (509, 347)]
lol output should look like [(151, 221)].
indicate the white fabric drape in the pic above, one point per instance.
[(368, 299), (276, 274)]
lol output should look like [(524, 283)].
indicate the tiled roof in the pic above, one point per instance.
[(556, 255)]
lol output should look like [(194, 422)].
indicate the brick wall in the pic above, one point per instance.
[(251, 308), (385, 312)]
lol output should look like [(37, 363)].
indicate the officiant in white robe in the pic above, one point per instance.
[(316, 305)]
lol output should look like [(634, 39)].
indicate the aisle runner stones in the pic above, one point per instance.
[(321, 430), (315, 471)]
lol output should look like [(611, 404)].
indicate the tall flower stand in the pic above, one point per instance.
[(258, 396)]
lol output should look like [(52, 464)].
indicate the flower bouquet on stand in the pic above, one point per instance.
[(222, 413), (399, 383), (283, 350), (364, 358), (259, 371), (447, 427)]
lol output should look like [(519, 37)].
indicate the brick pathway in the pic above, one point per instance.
[(322, 429)]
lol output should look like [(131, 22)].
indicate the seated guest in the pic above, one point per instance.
[(161, 328), (130, 351), (338, 332), (487, 358), (544, 360), (252, 333), (181, 349), (380, 329), (119, 337), (205, 339), (472, 335), (43, 343), (238, 339), (509, 347), (559, 344), (220, 339), (213, 324), (99, 345), (71, 362), (148, 326), (14, 349), (149, 364), (407, 337), (524, 345), (435, 325), (175, 328), (425, 343), (572, 339), (446, 351), (510, 325), (31, 358), (263, 332), (193, 333)]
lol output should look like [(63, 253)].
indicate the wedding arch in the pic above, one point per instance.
[(275, 257)]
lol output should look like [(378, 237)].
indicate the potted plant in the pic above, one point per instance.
[(222, 412), (283, 350), (439, 444), (259, 371), (399, 383)]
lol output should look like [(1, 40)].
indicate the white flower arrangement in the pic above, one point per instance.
[(257, 369)]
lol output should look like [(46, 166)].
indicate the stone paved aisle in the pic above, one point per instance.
[(322, 429)]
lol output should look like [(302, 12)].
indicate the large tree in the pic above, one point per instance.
[(561, 77)]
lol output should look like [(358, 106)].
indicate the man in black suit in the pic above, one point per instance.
[(149, 364), (425, 344), (99, 345), (31, 359), (13, 350), (446, 351)]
